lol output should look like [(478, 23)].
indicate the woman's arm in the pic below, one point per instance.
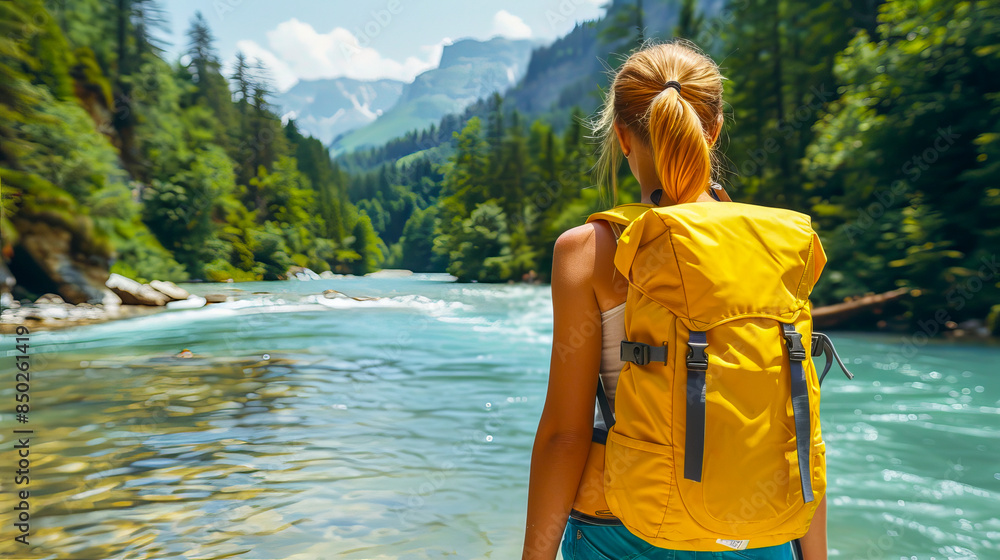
[(566, 427), (814, 541)]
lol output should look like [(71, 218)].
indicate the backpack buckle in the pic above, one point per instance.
[(793, 339), (696, 358), (635, 352), (818, 344), (642, 354)]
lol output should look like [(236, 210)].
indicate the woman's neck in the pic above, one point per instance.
[(703, 197)]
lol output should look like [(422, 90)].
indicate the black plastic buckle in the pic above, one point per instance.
[(696, 358), (793, 339), (635, 352)]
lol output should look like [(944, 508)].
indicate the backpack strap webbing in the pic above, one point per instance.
[(694, 438), (800, 406), (607, 414)]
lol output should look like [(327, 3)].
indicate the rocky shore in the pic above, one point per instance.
[(121, 298)]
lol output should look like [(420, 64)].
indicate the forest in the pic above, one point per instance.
[(880, 119)]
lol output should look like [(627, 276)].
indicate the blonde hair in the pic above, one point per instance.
[(676, 124)]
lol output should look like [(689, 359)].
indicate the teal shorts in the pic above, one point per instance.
[(583, 541)]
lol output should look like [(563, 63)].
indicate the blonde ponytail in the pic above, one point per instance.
[(678, 123), (680, 149)]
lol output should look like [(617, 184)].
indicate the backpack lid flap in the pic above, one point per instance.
[(623, 214), (709, 262)]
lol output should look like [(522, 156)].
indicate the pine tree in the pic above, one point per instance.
[(688, 21), (242, 80)]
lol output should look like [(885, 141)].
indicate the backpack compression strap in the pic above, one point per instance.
[(800, 406), (694, 438), (607, 414)]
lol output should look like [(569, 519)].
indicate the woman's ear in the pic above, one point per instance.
[(624, 138)]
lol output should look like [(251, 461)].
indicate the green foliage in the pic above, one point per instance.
[(270, 251), (483, 251), (417, 243), (366, 245), (154, 164), (221, 271), (780, 69), (907, 158), (63, 147), (627, 24), (156, 101), (180, 212)]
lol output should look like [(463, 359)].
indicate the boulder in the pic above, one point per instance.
[(169, 289), (193, 302), (110, 299), (50, 298), (51, 261), (134, 293), (216, 298)]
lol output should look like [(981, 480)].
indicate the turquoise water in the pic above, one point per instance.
[(316, 428)]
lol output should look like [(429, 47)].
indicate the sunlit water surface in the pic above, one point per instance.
[(307, 427)]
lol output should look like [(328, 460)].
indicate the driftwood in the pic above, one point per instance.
[(833, 315)]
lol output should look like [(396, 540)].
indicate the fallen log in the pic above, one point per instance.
[(833, 315)]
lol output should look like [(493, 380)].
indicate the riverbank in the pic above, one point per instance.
[(127, 299)]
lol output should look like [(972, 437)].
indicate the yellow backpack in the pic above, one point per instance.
[(715, 441)]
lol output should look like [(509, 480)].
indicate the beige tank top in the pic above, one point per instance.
[(612, 335)]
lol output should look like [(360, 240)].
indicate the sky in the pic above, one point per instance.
[(364, 39)]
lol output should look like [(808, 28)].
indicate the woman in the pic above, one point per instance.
[(664, 114)]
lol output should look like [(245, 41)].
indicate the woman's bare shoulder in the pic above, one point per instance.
[(577, 250), (585, 237)]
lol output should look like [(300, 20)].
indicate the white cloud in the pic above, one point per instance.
[(282, 75), (297, 51), (510, 26)]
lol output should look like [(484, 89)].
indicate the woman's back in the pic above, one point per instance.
[(663, 113)]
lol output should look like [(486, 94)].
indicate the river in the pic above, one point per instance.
[(307, 427)]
